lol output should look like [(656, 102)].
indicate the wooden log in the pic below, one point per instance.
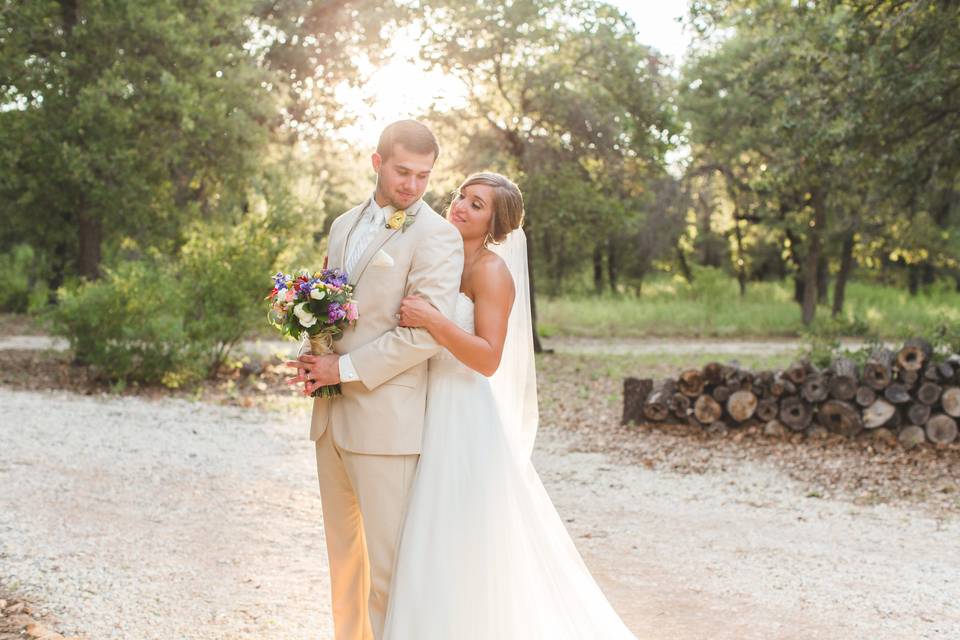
[(728, 371), (878, 370), (908, 378), (931, 372), (680, 406), (865, 396), (929, 393), (691, 382), (658, 402), (941, 429), (840, 417), (797, 372), (741, 405), (721, 393), (795, 413), (635, 392), (774, 429), (815, 389), (950, 401), (713, 372), (946, 371), (762, 382), (781, 386), (768, 409), (914, 354), (918, 413), (897, 393), (911, 436), (843, 382), (897, 420), (707, 410), (878, 414)]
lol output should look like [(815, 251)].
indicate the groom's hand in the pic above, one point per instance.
[(315, 371)]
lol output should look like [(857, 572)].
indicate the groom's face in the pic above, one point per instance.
[(402, 176)]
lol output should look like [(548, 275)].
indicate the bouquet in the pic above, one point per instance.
[(320, 305)]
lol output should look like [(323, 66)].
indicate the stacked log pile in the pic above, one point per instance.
[(909, 393)]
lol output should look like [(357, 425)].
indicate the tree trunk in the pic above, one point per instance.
[(741, 263), (90, 232), (598, 269), (688, 276), (846, 265), (613, 272), (913, 279), (812, 260), (823, 279)]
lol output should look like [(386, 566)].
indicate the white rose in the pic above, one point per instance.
[(306, 318), (317, 293)]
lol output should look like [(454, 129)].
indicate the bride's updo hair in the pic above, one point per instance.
[(507, 204)]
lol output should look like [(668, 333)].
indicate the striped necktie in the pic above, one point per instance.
[(367, 231)]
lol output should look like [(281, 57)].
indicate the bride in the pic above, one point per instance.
[(483, 554)]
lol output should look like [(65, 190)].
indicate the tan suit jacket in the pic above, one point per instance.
[(383, 413)]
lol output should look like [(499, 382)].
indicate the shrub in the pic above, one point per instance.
[(128, 325), (174, 321), (22, 287)]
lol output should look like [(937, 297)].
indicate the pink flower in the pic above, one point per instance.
[(290, 295), (351, 308)]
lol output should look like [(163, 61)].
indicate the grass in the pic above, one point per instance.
[(670, 307)]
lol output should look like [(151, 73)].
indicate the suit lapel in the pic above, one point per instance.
[(378, 241), (382, 237)]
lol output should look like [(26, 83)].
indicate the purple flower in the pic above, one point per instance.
[(335, 277), (336, 312)]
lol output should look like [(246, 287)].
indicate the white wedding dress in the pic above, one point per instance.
[(483, 553)]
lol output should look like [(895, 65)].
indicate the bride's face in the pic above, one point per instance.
[(472, 210)]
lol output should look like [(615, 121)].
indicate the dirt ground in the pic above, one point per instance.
[(193, 513)]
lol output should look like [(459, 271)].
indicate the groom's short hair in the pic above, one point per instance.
[(412, 135)]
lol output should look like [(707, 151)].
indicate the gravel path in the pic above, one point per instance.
[(138, 519)]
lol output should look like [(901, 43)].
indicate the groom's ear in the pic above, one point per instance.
[(376, 160)]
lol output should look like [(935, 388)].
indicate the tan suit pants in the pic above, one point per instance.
[(363, 498)]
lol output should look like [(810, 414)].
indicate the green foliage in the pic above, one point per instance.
[(564, 98), (129, 325), (831, 124), (22, 287), (173, 321)]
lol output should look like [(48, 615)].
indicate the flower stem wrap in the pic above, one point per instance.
[(321, 344)]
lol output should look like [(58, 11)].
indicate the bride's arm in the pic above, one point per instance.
[(492, 302)]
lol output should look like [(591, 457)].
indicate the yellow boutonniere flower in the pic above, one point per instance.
[(397, 219)]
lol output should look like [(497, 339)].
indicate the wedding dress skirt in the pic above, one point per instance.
[(483, 553)]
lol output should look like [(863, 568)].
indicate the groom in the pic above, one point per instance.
[(368, 439)]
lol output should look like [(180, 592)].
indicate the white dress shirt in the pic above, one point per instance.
[(374, 218)]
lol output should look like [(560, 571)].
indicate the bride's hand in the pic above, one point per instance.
[(416, 312)]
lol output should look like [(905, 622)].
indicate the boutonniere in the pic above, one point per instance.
[(400, 220)]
